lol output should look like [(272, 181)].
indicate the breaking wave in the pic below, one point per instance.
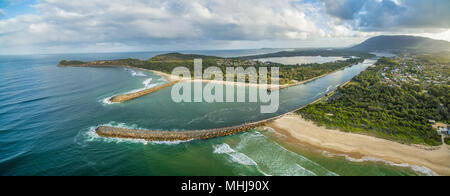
[(235, 156), (269, 158), (147, 85), (135, 73)]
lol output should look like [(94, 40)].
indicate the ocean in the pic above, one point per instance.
[(48, 115)]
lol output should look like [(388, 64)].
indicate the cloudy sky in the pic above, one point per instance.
[(64, 26)]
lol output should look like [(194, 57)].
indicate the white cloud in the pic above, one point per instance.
[(393, 15), (157, 22), (98, 25)]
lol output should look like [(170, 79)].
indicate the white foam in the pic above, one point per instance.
[(282, 162), (147, 82), (147, 85), (305, 171), (108, 101), (272, 131), (91, 136), (135, 73), (235, 156), (420, 169), (223, 149), (242, 159)]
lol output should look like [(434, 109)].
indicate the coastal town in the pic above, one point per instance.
[(415, 71)]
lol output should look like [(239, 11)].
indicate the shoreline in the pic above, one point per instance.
[(356, 146), (176, 79), (269, 87), (352, 146), (172, 80), (284, 86)]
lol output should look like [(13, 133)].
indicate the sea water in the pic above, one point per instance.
[(48, 115)]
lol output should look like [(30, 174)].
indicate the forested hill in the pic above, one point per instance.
[(411, 43), (393, 100)]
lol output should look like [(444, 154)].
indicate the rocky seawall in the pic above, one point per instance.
[(114, 132), (130, 96), (157, 135)]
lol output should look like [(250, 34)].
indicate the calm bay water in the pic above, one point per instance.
[(48, 116)]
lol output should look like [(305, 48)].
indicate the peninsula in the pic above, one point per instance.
[(290, 75)]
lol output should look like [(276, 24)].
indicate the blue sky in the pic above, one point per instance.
[(62, 26), (12, 8)]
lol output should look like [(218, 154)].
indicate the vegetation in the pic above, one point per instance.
[(436, 58), (167, 62), (317, 52), (65, 63), (402, 43), (372, 105), (447, 141), (308, 71)]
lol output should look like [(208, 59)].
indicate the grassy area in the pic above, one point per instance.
[(395, 111), (447, 141)]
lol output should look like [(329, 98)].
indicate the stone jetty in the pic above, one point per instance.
[(157, 135), (114, 132), (130, 96)]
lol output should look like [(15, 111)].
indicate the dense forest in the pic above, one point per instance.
[(397, 112), (167, 62)]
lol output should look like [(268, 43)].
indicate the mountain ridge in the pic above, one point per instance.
[(402, 42)]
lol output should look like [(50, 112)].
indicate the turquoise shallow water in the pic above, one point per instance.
[(48, 114)]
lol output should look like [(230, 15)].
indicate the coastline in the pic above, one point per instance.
[(357, 146), (171, 79), (175, 79), (353, 146)]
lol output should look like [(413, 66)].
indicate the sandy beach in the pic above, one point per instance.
[(171, 78), (359, 146)]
